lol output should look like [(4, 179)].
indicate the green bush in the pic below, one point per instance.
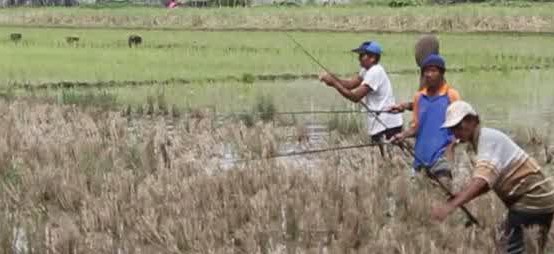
[(175, 112), (246, 119), (402, 3), (248, 78), (346, 124), (229, 3), (265, 107), (150, 101), (162, 103), (101, 99), (8, 94)]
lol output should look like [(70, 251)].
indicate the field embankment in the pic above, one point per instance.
[(523, 17)]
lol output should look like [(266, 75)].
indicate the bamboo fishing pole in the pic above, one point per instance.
[(311, 152)]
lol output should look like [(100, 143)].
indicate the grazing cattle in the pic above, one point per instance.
[(16, 37), (72, 39), (134, 40)]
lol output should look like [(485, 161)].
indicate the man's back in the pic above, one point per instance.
[(497, 149)]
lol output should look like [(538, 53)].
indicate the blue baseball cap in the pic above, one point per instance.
[(434, 60), (369, 47)]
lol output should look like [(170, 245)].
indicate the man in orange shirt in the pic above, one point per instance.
[(433, 143)]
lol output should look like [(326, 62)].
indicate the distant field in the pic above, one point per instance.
[(505, 17), (102, 55)]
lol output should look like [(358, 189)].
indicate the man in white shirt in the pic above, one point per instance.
[(373, 84), (502, 166)]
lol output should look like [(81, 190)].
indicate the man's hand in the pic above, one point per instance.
[(453, 196), (476, 187), (399, 108), (398, 138), (327, 78), (440, 212)]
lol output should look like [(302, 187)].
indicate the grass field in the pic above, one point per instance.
[(194, 69), (103, 55)]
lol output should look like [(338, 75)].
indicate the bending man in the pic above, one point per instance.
[(502, 166)]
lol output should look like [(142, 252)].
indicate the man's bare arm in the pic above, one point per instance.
[(408, 133), (401, 107), (354, 95), (350, 84), (475, 188)]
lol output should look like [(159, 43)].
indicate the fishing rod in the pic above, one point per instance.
[(308, 53), (310, 152), (329, 112), (323, 67), (309, 112), (400, 144)]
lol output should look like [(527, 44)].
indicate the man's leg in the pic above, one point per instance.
[(515, 224), (543, 234), (446, 180), (378, 139), (442, 170), (388, 134)]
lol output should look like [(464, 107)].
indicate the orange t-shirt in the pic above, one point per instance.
[(453, 95)]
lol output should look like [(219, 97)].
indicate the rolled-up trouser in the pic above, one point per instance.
[(530, 203), (512, 241), (387, 134), (441, 168)]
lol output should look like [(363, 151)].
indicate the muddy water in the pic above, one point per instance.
[(508, 100), (519, 102)]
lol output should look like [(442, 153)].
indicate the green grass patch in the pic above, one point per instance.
[(265, 107), (103, 99), (346, 124), (103, 55)]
